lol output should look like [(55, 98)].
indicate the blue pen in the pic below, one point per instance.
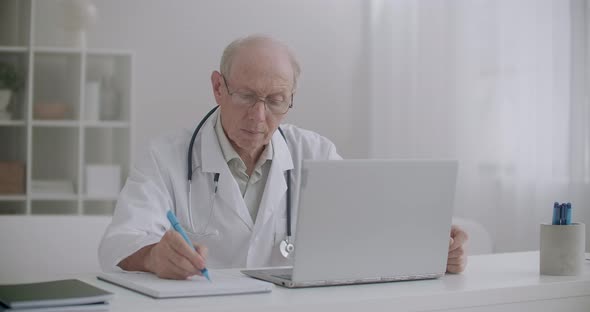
[(562, 212), (568, 214), (179, 229), (556, 213)]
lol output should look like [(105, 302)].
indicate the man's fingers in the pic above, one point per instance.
[(180, 246), (174, 271), (458, 252), (183, 263), (451, 268), (456, 261), (202, 250), (459, 237)]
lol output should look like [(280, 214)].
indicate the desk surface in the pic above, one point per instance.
[(490, 280)]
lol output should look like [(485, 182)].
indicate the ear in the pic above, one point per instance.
[(216, 84)]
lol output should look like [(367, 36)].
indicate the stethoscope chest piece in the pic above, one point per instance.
[(286, 248)]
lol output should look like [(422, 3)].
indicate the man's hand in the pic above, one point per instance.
[(457, 259), (171, 258)]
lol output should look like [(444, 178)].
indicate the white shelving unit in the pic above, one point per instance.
[(56, 128)]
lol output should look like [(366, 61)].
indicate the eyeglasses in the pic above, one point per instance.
[(277, 104)]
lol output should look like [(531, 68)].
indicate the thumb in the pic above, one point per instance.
[(451, 241)]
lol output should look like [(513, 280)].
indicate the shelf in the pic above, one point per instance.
[(12, 197), (14, 144), (14, 22), (13, 49), (56, 86), (12, 207), (107, 146), (106, 124), (55, 207), (107, 87), (54, 196), (55, 156), (56, 123), (11, 123), (17, 99), (68, 128), (57, 50)]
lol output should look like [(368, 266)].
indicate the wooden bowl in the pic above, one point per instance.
[(50, 111)]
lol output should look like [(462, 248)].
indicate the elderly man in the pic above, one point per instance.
[(235, 208)]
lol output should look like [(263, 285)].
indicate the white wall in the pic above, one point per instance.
[(178, 44)]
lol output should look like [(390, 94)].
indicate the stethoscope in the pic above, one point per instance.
[(286, 246)]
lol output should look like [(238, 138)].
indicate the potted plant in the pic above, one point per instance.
[(10, 82)]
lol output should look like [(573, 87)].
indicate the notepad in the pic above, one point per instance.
[(53, 296), (224, 283), (93, 307)]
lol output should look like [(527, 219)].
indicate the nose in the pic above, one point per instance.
[(258, 112)]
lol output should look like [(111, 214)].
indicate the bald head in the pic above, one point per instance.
[(259, 52)]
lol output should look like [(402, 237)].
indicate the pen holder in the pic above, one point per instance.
[(562, 249)]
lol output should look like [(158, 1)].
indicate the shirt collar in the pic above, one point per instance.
[(228, 151)]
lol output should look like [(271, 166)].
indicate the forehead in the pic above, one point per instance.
[(262, 66)]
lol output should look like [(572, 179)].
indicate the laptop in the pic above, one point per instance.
[(369, 221)]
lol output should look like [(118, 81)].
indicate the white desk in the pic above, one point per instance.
[(499, 282)]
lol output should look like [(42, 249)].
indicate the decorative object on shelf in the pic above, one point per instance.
[(92, 100), (79, 15), (12, 177), (103, 180), (109, 109), (52, 187), (10, 82), (50, 110)]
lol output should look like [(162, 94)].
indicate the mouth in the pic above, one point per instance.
[(253, 132)]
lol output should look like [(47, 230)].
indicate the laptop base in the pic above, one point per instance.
[(282, 277)]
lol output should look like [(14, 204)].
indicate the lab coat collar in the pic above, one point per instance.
[(271, 200), (211, 156), (212, 159), (282, 155)]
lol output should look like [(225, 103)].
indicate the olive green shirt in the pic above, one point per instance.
[(252, 187)]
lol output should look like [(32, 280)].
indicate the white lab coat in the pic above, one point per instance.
[(158, 182)]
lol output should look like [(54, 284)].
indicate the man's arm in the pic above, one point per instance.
[(139, 219), (171, 258), (137, 261)]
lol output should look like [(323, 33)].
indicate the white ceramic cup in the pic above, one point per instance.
[(562, 249)]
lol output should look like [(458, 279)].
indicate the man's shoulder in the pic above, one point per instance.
[(299, 134), (310, 144), (173, 137)]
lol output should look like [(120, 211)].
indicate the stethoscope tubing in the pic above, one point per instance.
[(216, 177)]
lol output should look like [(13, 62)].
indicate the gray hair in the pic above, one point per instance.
[(230, 51)]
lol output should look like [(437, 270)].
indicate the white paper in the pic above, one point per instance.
[(223, 283)]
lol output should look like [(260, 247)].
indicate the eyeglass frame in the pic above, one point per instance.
[(258, 98)]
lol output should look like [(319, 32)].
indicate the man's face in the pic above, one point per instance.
[(262, 71)]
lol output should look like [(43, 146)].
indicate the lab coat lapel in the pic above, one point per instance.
[(212, 161), (276, 185)]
